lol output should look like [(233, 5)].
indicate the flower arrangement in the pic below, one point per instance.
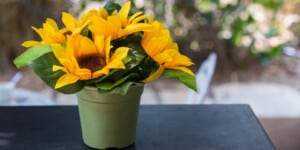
[(111, 48)]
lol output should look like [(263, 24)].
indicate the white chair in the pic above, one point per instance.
[(203, 77), (291, 51), (12, 96)]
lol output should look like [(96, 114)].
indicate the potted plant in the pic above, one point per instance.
[(105, 57)]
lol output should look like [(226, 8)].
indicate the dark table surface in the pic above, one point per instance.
[(160, 127)]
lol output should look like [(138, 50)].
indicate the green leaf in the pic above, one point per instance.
[(271, 4), (186, 79), (111, 85), (111, 6), (31, 54), (137, 60), (276, 51), (92, 81), (86, 32), (42, 66), (122, 89)]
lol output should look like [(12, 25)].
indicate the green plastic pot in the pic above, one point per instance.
[(108, 121)]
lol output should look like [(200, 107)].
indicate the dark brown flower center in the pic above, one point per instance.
[(93, 63)]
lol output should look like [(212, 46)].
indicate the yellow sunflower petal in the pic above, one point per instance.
[(162, 58), (116, 60), (133, 28), (63, 56), (58, 37), (105, 70), (150, 19), (98, 73), (138, 19), (83, 74), (85, 47), (52, 23), (134, 16), (63, 30), (66, 79), (107, 49), (114, 13), (114, 26), (76, 31), (120, 53), (59, 51), (69, 21), (124, 13), (99, 42), (177, 58), (155, 75), (183, 60), (154, 49), (103, 13), (184, 69), (85, 19), (67, 63), (30, 43), (114, 63), (39, 32), (57, 68), (99, 26)]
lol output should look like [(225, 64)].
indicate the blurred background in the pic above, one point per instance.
[(245, 51)]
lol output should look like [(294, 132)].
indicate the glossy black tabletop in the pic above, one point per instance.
[(160, 127)]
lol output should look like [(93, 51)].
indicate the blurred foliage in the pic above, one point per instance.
[(235, 29), (247, 24), (254, 26), (17, 17)]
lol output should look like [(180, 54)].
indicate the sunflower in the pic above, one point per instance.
[(75, 26), (49, 33), (118, 24), (84, 59), (165, 52)]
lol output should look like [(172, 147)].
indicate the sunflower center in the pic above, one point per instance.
[(94, 63)]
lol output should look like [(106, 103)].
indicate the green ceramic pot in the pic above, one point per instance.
[(108, 121)]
